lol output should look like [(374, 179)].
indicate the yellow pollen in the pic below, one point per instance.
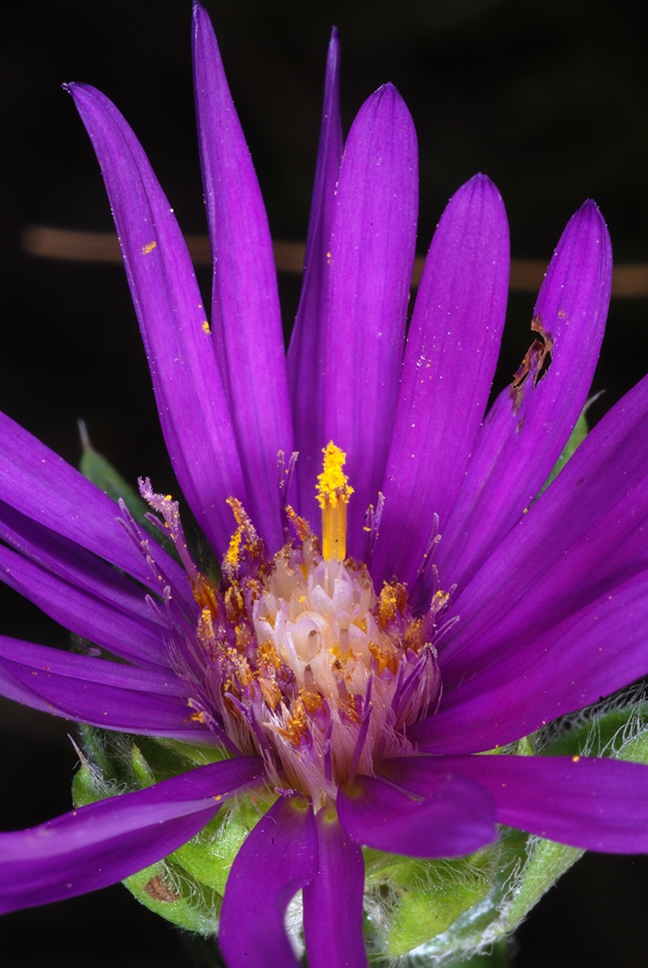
[(205, 627), (234, 604), (393, 599), (297, 725), (270, 692), (233, 553), (198, 717), (204, 593), (311, 700), (333, 493), (300, 525)]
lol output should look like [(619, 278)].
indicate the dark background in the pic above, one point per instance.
[(548, 97)]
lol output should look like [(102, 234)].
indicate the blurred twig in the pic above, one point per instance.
[(630, 281)]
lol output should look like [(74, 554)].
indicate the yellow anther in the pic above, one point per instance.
[(333, 493)]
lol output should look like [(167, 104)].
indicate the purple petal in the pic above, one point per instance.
[(246, 320), (455, 818), (586, 657), (333, 901), (590, 803), (107, 841), (84, 571), (96, 691), (278, 858), (585, 536), (188, 387), (308, 341), (371, 259), (39, 484), (452, 348), (527, 427), (129, 636)]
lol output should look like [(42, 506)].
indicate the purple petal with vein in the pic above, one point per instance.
[(372, 255), (530, 421), (105, 842), (308, 342), (128, 636), (457, 817), (89, 690), (585, 802), (588, 656), (246, 320), (333, 901), (598, 540), (39, 484), (450, 358), (278, 858), (188, 387)]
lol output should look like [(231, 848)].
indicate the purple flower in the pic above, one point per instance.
[(444, 611)]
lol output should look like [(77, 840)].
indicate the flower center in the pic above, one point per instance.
[(298, 658)]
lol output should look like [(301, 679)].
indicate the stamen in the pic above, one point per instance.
[(285, 475), (170, 511), (244, 541), (372, 527), (333, 493)]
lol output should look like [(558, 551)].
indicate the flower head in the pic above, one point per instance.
[(392, 601)]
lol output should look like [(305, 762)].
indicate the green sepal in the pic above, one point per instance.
[(546, 861), (166, 890), (576, 438), (100, 471), (610, 729), (86, 786), (416, 900), (141, 770), (209, 855)]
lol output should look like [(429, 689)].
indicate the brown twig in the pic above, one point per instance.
[(630, 281)]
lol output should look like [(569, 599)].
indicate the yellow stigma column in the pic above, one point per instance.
[(333, 493)]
